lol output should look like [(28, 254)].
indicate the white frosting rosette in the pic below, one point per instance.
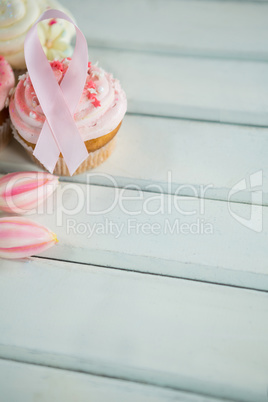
[(17, 17)]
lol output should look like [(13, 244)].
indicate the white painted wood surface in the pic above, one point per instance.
[(163, 234), (209, 339), (36, 383), (228, 91), (159, 76), (194, 157), (205, 28)]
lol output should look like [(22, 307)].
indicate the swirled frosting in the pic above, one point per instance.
[(16, 18), (7, 81), (101, 108)]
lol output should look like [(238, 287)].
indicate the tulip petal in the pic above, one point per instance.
[(22, 192), (20, 238)]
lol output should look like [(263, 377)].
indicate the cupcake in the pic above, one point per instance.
[(7, 82), (17, 17), (98, 116)]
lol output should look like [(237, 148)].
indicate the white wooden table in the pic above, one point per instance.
[(163, 310)]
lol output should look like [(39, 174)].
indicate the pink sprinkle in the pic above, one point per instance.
[(91, 96), (96, 103), (57, 65), (91, 84), (52, 22), (89, 64)]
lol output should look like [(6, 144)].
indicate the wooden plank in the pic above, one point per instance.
[(164, 155), (215, 28), (26, 383), (186, 335), (163, 234), (226, 91)]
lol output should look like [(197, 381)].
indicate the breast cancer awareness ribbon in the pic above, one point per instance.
[(58, 102)]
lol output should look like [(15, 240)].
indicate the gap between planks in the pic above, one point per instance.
[(181, 53), (234, 124), (169, 393), (181, 278)]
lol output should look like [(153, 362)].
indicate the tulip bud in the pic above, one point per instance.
[(22, 192), (20, 237)]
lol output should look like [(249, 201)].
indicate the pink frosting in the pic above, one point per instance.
[(101, 108), (7, 81)]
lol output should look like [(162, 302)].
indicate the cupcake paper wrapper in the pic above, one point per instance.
[(5, 134), (93, 160)]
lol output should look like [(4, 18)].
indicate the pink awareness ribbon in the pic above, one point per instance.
[(58, 102)]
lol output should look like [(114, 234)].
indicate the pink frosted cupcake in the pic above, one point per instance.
[(7, 82), (98, 116)]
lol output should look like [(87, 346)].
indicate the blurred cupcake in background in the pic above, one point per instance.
[(17, 17), (7, 82)]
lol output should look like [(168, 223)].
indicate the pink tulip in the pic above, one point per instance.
[(20, 237), (22, 192)]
